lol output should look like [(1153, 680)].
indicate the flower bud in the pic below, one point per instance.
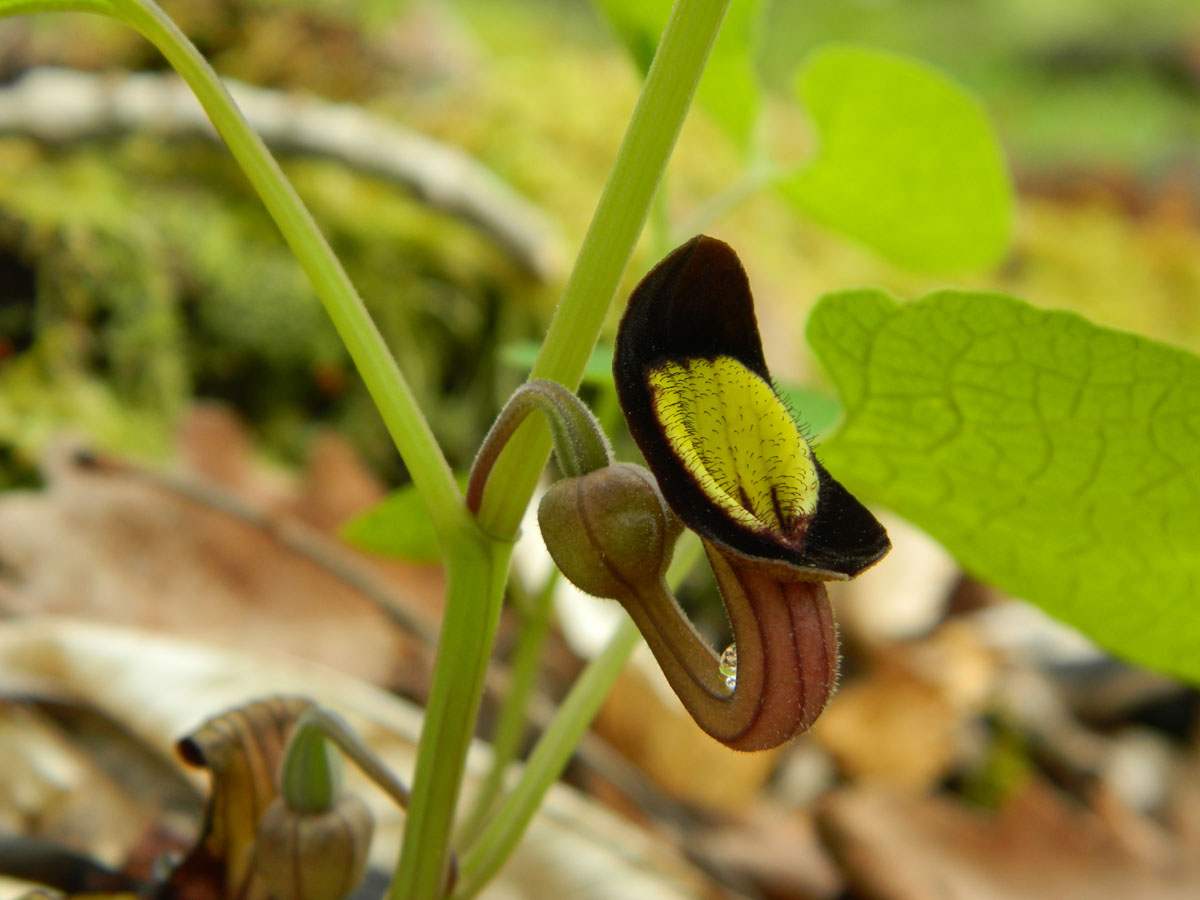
[(313, 855), (609, 531)]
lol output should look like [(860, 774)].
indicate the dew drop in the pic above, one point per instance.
[(728, 666)]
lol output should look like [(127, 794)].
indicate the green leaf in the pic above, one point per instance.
[(397, 526), (908, 162), (1054, 458), (729, 90), (816, 411)]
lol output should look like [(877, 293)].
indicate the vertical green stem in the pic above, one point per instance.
[(512, 721), (476, 574), (545, 764), (620, 215)]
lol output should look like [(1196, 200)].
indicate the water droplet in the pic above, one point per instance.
[(728, 666)]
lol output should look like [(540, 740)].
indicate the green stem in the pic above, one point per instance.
[(375, 363), (620, 215), (334, 728), (579, 442), (513, 718), (544, 765), (475, 583)]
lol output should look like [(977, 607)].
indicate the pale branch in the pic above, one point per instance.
[(58, 105)]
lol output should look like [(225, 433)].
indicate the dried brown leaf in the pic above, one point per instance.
[(903, 722), (645, 721), (113, 548), (895, 847), (162, 687)]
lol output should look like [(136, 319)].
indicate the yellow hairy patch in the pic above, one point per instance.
[(738, 440)]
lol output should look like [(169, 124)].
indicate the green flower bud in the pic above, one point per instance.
[(313, 855), (311, 775), (609, 531)]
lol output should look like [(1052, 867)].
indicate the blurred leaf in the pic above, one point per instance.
[(818, 412), (1054, 458), (397, 526), (908, 162), (121, 543), (909, 846), (729, 90)]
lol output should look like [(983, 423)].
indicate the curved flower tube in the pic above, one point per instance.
[(787, 655), (612, 535)]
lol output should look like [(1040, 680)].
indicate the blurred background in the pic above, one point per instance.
[(150, 312)]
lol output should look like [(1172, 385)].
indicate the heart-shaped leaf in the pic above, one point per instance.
[(907, 161), (1054, 458)]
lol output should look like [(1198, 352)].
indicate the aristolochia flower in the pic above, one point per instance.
[(731, 461), (734, 466), (728, 461)]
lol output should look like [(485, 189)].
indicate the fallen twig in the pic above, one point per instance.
[(61, 105)]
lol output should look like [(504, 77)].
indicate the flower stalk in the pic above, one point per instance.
[(579, 441)]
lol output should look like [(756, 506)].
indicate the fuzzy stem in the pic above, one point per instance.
[(579, 443)]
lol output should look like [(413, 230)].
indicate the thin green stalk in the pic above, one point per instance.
[(375, 363), (574, 716), (476, 573), (661, 235), (332, 727), (618, 221), (513, 719)]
